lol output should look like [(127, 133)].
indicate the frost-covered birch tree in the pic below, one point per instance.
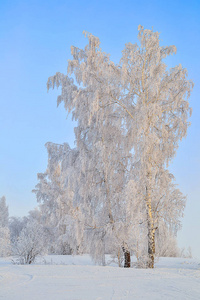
[(58, 197), (104, 163), (161, 110), (144, 108)]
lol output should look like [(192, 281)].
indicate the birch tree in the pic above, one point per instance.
[(104, 162), (57, 193), (151, 105), (161, 113)]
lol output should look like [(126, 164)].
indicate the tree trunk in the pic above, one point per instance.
[(151, 232), (127, 257), (119, 258), (151, 246)]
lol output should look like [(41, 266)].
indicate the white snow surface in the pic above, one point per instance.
[(57, 277)]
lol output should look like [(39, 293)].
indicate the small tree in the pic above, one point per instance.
[(57, 193), (30, 243), (4, 230), (16, 224), (4, 241), (166, 242)]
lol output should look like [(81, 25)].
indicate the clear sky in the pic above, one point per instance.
[(35, 41)]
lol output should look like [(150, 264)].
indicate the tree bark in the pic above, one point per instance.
[(127, 257), (151, 232)]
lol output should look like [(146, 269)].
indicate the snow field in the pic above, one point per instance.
[(76, 278)]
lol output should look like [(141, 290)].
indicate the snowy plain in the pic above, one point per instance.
[(77, 278)]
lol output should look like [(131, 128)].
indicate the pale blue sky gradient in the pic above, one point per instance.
[(35, 43)]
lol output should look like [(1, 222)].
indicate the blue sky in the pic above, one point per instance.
[(35, 43)]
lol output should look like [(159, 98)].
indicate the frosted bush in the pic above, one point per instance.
[(30, 243)]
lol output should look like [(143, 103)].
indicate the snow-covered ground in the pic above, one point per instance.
[(76, 278)]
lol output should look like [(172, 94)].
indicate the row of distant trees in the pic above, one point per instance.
[(113, 192)]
